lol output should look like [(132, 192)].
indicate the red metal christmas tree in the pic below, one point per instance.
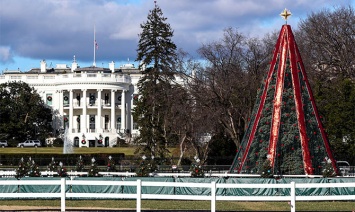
[(285, 132)]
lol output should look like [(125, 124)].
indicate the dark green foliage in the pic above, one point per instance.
[(146, 167), (33, 169), (328, 170), (79, 164), (222, 150), (62, 171), (266, 169), (156, 51), (111, 165), (155, 46), (29, 168), (337, 102), (23, 113), (22, 169), (196, 168), (58, 142), (52, 166), (93, 170)]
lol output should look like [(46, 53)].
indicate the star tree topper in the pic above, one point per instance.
[(285, 14)]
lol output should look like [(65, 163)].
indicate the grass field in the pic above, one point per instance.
[(187, 205), (128, 151)]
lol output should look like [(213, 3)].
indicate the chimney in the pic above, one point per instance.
[(112, 66), (43, 66)]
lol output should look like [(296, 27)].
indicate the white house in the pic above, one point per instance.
[(93, 104)]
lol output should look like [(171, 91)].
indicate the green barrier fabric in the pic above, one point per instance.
[(115, 189), (306, 191), (343, 191), (186, 190), (251, 191), (41, 188), (149, 189), (195, 190), (8, 188)]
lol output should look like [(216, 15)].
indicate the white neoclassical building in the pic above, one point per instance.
[(94, 105)]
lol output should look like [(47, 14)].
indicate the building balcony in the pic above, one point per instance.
[(76, 78), (79, 105), (76, 130)]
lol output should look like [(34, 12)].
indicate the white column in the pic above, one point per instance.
[(59, 102), (99, 118), (113, 114), (123, 110), (83, 124), (70, 129)]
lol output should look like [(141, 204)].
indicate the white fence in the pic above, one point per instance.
[(213, 186)]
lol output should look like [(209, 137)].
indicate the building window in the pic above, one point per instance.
[(119, 98), (65, 122), (49, 99), (106, 98), (92, 122), (92, 99), (78, 99), (118, 123), (106, 121), (66, 99), (78, 122)]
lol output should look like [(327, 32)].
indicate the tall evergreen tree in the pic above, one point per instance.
[(23, 114), (157, 56)]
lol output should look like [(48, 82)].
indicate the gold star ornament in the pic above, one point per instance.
[(285, 14)]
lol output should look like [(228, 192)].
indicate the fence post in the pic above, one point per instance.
[(63, 193), (293, 197), (213, 196), (139, 195)]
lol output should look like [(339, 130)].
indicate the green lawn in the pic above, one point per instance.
[(128, 151), (188, 205)]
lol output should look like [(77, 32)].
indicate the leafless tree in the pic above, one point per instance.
[(227, 84), (327, 41)]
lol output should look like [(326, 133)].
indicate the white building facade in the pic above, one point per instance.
[(94, 105)]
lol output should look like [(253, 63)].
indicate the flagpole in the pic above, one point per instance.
[(94, 64)]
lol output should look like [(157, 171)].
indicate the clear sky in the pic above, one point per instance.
[(56, 30)]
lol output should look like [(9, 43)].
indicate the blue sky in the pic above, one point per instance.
[(56, 30)]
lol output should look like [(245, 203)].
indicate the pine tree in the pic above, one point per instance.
[(157, 55), (328, 170), (20, 107), (33, 170), (52, 166), (62, 171), (93, 170), (196, 168), (79, 164), (22, 169), (111, 165), (146, 166)]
